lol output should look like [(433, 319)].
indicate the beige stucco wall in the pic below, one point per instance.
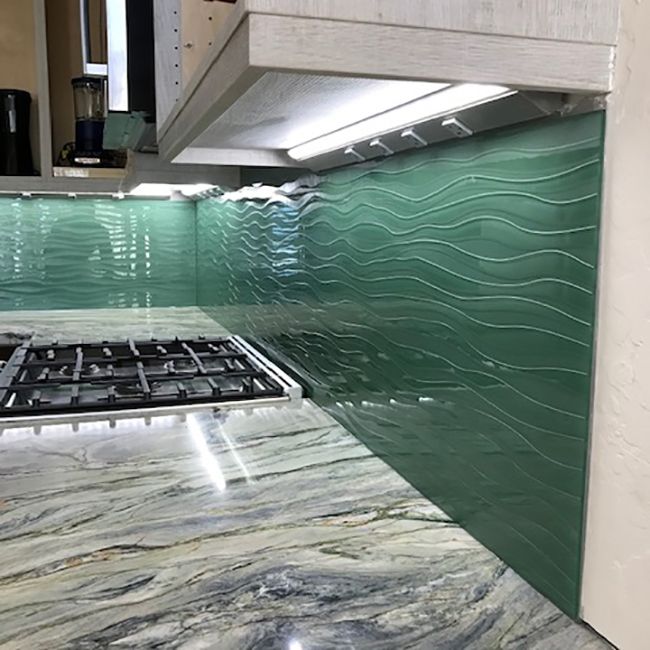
[(616, 582)]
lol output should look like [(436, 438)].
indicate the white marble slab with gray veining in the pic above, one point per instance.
[(255, 528), (109, 324)]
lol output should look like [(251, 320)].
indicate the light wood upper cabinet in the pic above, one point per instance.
[(269, 58), (200, 23)]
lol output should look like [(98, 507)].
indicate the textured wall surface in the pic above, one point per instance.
[(64, 253), (441, 305), (616, 585)]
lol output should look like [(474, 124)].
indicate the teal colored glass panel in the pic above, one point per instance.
[(441, 306), (87, 253)]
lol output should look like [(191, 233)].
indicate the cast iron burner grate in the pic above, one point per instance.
[(58, 379)]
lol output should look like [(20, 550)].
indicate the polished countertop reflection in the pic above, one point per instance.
[(270, 527)]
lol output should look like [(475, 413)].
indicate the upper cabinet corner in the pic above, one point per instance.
[(247, 82)]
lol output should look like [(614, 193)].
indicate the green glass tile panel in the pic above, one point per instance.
[(441, 305), (93, 253)]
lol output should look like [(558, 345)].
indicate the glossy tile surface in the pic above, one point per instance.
[(86, 253), (442, 305)]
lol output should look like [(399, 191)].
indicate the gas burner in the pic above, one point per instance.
[(61, 379)]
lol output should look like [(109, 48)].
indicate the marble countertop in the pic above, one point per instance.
[(270, 527)]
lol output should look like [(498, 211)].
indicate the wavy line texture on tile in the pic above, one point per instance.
[(441, 306), (84, 253)]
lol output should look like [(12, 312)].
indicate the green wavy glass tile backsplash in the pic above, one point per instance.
[(441, 306), (83, 253)]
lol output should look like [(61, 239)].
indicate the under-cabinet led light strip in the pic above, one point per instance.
[(165, 190), (438, 104)]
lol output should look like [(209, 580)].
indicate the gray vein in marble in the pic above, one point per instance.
[(68, 325), (243, 529)]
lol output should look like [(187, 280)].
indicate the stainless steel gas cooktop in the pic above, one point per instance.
[(85, 378)]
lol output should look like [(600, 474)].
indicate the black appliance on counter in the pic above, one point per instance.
[(15, 145)]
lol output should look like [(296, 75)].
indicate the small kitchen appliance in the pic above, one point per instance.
[(15, 146), (90, 117)]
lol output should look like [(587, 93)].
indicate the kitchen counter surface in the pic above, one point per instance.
[(266, 528)]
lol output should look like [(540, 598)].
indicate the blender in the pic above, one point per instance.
[(90, 116)]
